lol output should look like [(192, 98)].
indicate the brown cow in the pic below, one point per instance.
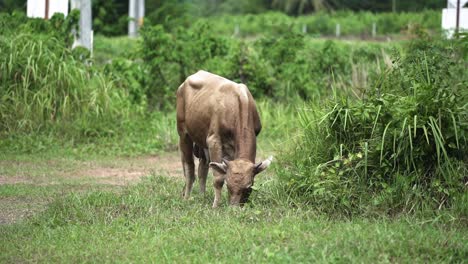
[(217, 121)]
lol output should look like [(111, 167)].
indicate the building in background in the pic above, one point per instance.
[(449, 17), (46, 8)]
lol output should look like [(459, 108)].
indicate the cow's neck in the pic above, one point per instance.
[(246, 145), (245, 139)]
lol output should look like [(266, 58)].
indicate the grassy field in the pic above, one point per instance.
[(87, 219), (89, 168), (70, 206)]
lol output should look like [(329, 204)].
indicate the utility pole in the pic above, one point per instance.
[(136, 13), (85, 36), (132, 26), (141, 12), (46, 9), (394, 6), (457, 25)]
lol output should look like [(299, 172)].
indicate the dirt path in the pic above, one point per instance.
[(113, 171), (123, 171), (27, 186)]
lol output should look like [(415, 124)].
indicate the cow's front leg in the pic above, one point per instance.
[(215, 153), (186, 149)]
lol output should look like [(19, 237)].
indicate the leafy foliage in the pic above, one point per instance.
[(172, 57), (110, 17), (57, 27), (400, 147), (52, 95), (282, 68)]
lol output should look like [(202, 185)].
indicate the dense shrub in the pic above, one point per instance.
[(57, 26), (42, 85), (131, 77), (110, 17), (45, 87), (402, 146), (171, 57), (282, 68)]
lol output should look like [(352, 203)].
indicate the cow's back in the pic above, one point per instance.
[(208, 103)]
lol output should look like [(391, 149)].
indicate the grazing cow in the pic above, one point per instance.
[(218, 122)]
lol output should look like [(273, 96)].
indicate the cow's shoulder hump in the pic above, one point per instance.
[(202, 78)]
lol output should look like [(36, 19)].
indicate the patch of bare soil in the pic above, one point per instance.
[(109, 172), (123, 171), (14, 180), (82, 174), (118, 171)]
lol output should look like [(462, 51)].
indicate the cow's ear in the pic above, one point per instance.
[(261, 166), (219, 167)]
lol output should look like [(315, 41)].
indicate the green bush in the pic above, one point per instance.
[(401, 147), (282, 68), (52, 95), (57, 26), (42, 85), (132, 78), (171, 57), (110, 17)]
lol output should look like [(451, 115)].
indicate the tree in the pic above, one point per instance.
[(299, 7), (12, 5)]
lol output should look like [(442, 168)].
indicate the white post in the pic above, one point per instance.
[(338, 30), (374, 29), (304, 29), (141, 12), (132, 23), (85, 36), (457, 23), (236, 30), (136, 13)]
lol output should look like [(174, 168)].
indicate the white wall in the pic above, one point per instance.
[(449, 18), (36, 8), (453, 3)]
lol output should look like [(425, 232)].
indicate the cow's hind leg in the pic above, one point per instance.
[(203, 166), (186, 149)]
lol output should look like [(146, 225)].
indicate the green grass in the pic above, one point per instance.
[(150, 222), (128, 137), (52, 216), (106, 49), (142, 135), (358, 24)]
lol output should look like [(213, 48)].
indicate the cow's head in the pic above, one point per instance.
[(240, 174)]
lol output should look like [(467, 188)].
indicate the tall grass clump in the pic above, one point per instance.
[(400, 147), (43, 85), (51, 95)]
